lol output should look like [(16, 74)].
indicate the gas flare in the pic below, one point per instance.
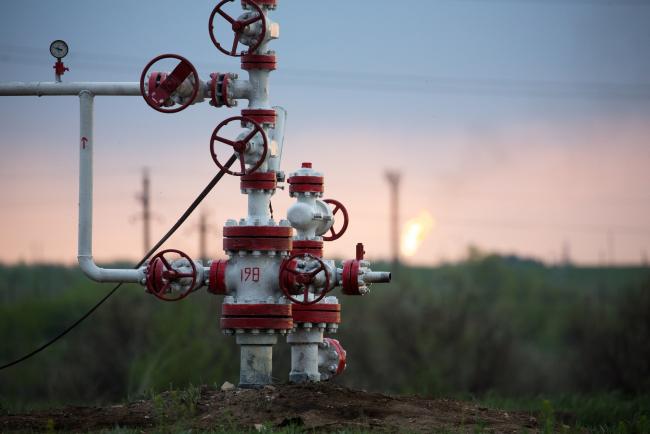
[(415, 231)]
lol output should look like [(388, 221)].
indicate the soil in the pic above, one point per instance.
[(314, 407)]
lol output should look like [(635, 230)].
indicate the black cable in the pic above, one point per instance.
[(169, 233)]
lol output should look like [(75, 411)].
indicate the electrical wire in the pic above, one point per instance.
[(169, 233), (369, 81)]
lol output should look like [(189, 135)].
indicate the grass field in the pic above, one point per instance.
[(569, 343)]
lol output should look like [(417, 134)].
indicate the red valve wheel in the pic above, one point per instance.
[(238, 28), (161, 275), (239, 145), (337, 206), (304, 278), (161, 88)]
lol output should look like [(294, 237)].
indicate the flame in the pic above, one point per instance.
[(415, 232)]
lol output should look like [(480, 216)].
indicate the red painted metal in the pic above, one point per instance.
[(155, 79), (224, 90), (307, 244), (288, 267), (360, 252), (171, 82), (256, 310), (301, 247), (59, 67), (260, 116), (306, 188), (302, 179), (258, 185), (160, 275), (328, 307), (306, 165), (261, 244), (220, 81), (315, 313), (337, 206), (239, 146), (218, 277), (340, 351), (259, 61), (263, 2), (238, 28), (249, 323), (317, 317), (258, 231), (306, 184), (351, 277)]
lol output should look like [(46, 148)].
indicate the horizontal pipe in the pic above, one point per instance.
[(376, 277), (42, 88)]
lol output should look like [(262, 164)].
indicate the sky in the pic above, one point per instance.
[(520, 126)]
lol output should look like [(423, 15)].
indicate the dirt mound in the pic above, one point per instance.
[(317, 407)]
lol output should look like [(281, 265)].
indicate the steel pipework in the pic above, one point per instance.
[(84, 247), (43, 88)]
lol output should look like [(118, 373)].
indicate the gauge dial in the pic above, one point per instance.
[(59, 49)]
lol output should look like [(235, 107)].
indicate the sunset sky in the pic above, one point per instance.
[(520, 126)]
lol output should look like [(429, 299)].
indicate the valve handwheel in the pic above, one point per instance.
[(168, 83), (239, 145), (304, 278), (161, 275), (238, 27), (338, 206)]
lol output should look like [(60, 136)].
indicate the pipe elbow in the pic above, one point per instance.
[(98, 274)]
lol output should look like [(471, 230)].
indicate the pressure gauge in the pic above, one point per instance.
[(59, 49)]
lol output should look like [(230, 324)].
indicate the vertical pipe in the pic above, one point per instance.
[(86, 143), (304, 354), (256, 364), (85, 240)]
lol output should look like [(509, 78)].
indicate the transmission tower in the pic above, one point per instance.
[(394, 178), (144, 197)]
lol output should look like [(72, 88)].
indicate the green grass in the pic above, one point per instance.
[(603, 413)]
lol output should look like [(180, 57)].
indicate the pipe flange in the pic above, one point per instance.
[(261, 116), (267, 62), (310, 247), (332, 359), (217, 284), (270, 4), (259, 181), (220, 95), (323, 313)]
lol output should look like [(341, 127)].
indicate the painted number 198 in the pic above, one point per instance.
[(250, 273)]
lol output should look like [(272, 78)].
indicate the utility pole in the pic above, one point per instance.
[(611, 243), (394, 178), (144, 197), (566, 253), (203, 234)]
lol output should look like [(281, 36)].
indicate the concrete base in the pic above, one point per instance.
[(304, 355), (256, 363)]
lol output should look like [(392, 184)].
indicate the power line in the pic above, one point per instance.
[(563, 2), (378, 82), (169, 233)]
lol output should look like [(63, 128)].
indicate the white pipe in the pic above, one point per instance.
[(278, 137), (42, 88), (85, 250), (241, 89)]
